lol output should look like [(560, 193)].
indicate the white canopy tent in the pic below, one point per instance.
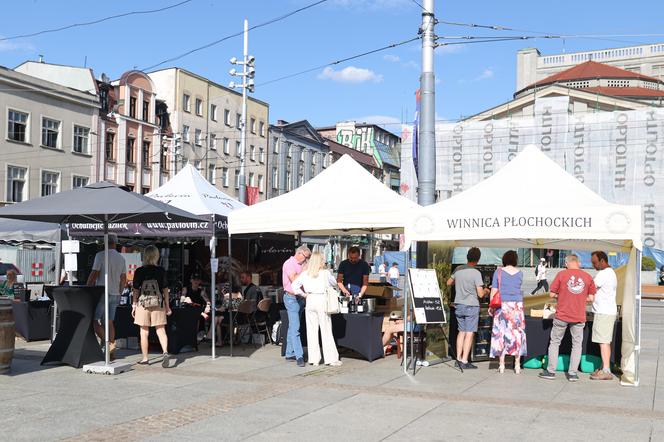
[(533, 202), (343, 199), (190, 191)]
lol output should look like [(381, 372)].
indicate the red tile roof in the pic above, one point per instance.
[(640, 92), (591, 70)]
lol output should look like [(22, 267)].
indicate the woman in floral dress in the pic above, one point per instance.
[(508, 336)]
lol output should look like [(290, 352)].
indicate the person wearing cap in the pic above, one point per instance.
[(194, 293), (540, 276)]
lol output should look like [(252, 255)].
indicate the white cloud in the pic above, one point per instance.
[(391, 58), (8, 46), (486, 74), (351, 74), (450, 49), (411, 64)]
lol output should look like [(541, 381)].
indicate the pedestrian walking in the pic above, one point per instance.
[(540, 277), (574, 288), (312, 285), (150, 306), (394, 274)]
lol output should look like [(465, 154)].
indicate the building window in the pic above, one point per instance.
[(261, 183), (253, 125), (132, 107), (224, 176), (186, 103), (227, 146), (16, 178), (199, 107), (81, 135), (261, 155), (110, 151), (302, 153), (289, 183), (146, 110), (238, 121), (50, 132), (49, 184), (213, 142), (252, 179), (290, 151), (185, 133), (79, 181), (130, 151), (17, 128), (275, 178), (227, 117), (275, 145), (212, 173), (261, 129), (300, 179), (213, 112), (238, 148), (145, 190), (237, 179), (163, 159), (197, 137), (313, 158), (252, 152), (146, 154), (197, 164)]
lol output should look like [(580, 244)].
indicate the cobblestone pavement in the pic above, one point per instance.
[(257, 396)]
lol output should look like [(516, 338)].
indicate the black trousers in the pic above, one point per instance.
[(541, 284)]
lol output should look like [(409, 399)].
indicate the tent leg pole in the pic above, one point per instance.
[(231, 329), (213, 324), (106, 341)]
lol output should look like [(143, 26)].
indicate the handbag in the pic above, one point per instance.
[(332, 300), (496, 302)]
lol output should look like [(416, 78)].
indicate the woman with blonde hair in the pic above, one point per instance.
[(150, 302), (312, 284), (7, 286)]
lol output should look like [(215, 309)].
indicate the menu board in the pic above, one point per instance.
[(426, 297)]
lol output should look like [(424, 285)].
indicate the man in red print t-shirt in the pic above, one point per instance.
[(574, 288)]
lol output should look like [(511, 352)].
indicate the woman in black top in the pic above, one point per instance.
[(150, 302)]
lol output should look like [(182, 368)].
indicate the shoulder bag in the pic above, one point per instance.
[(332, 300), (496, 302)]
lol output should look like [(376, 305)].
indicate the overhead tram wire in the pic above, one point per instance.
[(237, 34), (343, 60), (94, 22)]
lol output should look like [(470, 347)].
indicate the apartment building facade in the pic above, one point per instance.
[(206, 121)]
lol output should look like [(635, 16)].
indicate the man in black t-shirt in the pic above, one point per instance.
[(353, 275)]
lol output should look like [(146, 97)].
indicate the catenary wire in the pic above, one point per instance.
[(94, 22)]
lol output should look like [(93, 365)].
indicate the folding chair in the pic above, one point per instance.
[(242, 318), (258, 319)]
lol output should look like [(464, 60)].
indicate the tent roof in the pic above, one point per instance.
[(18, 231), (190, 191), (343, 199), (531, 201)]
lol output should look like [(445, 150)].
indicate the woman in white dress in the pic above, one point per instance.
[(312, 284)]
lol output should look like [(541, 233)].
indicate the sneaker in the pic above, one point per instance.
[(164, 362), (469, 366), (601, 375), (460, 365), (572, 377), (546, 374), (335, 363), (290, 358), (300, 362)]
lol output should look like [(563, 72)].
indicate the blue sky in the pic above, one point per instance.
[(379, 87)]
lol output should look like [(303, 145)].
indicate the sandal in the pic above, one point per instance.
[(143, 362)]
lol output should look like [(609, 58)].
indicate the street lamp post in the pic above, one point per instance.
[(247, 74)]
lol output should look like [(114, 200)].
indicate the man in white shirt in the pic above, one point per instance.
[(117, 279), (605, 311), (393, 274), (540, 276), (382, 269)]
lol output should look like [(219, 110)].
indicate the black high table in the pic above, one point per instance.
[(76, 343), (33, 319), (361, 332)]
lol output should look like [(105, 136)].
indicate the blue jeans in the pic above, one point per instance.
[(294, 305)]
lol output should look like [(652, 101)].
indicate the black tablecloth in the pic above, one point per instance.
[(33, 319), (76, 343), (361, 332), (181, 328), (538, 332)]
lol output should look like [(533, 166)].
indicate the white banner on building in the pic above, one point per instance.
[(619, 154)]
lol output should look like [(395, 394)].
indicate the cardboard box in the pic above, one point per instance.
[(381, 290)]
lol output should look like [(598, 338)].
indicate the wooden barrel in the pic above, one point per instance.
[(6, 335)]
